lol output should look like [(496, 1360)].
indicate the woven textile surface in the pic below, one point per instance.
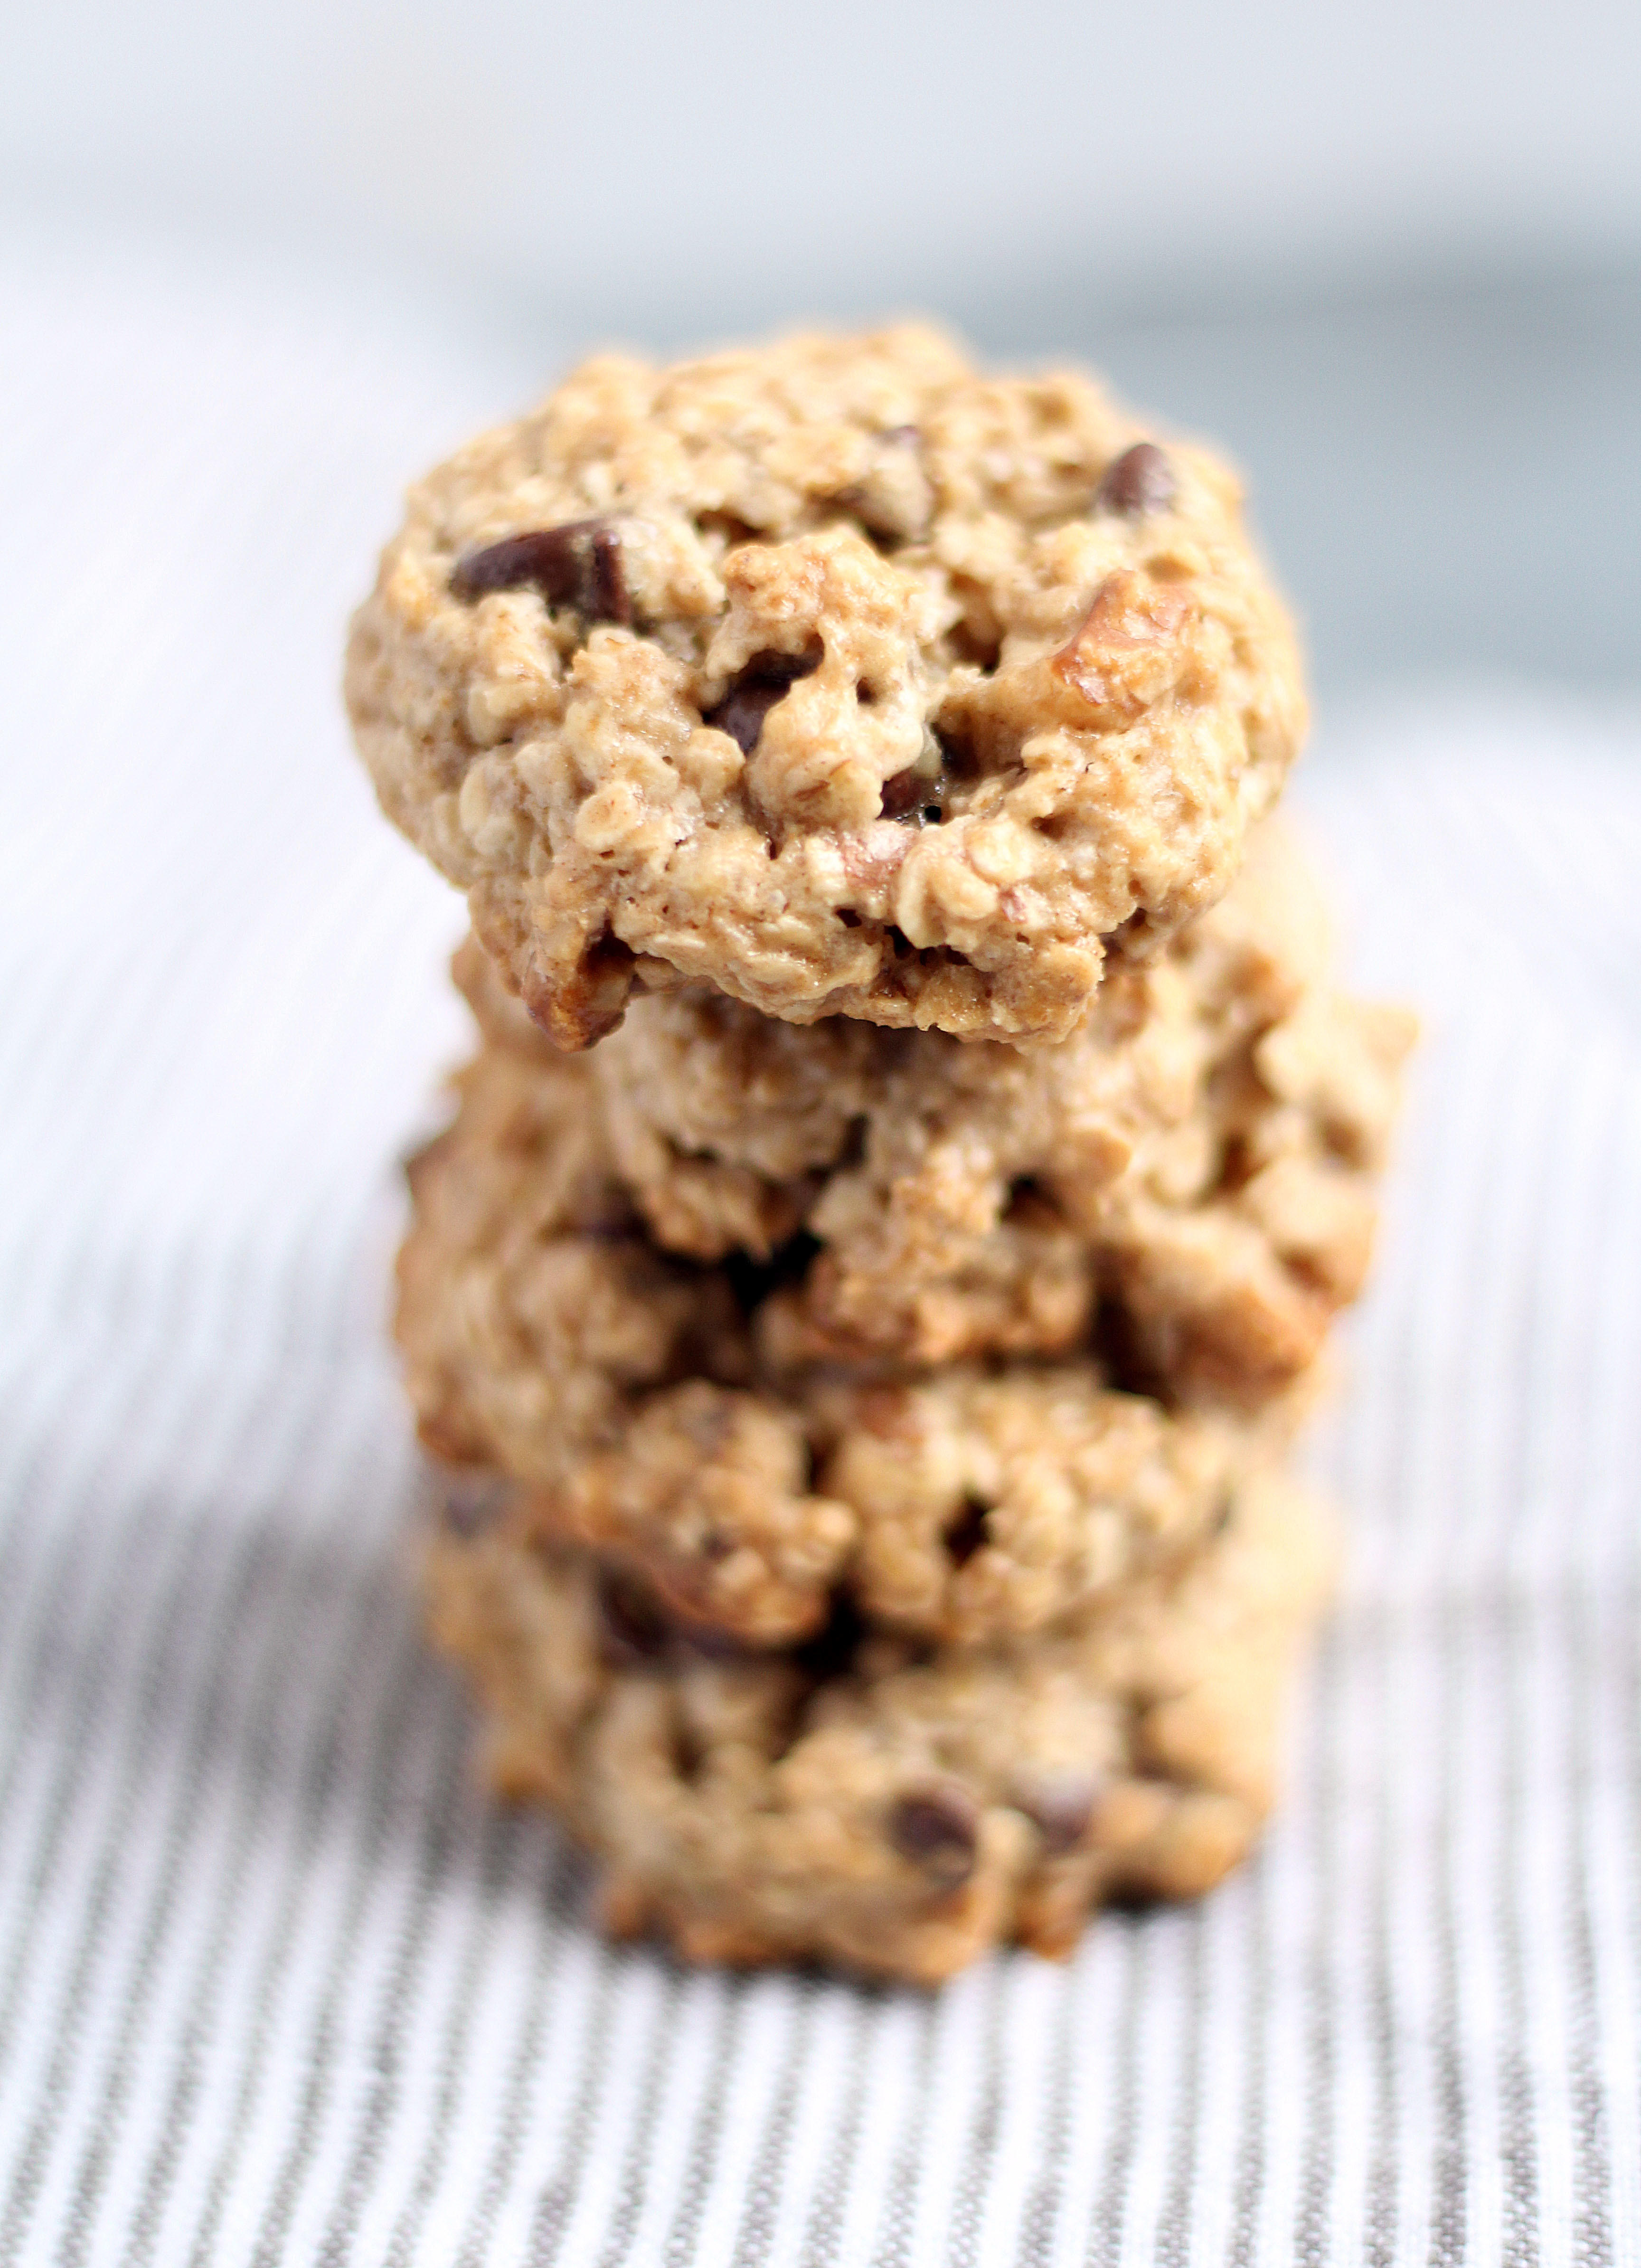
[(276, 1983)]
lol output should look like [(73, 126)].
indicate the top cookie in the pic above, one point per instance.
[(836, 675)]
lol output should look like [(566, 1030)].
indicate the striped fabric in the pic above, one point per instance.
[(275, 1984)]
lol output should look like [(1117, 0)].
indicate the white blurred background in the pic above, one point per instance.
[(1391, 255)]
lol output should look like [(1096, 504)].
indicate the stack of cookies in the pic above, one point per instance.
[(914, 1152)]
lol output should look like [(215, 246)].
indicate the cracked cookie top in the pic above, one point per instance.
[(836, 675)]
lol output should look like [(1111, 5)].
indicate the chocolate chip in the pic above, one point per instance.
[(938, 1827), (902, 794), (631, 1627), (472, 1501), (967, 1534), (606, 584), (915, 796), (763, 682), (1139, 482), (1059, 1802), (741, 716), (578, 564)]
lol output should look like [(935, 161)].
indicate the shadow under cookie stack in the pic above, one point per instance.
[(916, 1149)]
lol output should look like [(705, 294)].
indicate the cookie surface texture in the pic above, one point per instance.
[(1194, 1168), (547, 1338), (1001, 1353), (835, 676), (882, 1806)]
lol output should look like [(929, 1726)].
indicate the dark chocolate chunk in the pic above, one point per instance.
[(742, 714), (631, 1627), (915, 796), (547, 557), (763, 682), (902, 794), (967, 1533), (578, 564), (1139, 482), (606, 599), (938, 1827), (1059, 1803)]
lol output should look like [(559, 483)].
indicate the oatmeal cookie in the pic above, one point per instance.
[(1198, 1159), (547, 1337), (836, 676), (862, 1798), (971, 1332)]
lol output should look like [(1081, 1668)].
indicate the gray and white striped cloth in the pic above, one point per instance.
[(276, 1985)]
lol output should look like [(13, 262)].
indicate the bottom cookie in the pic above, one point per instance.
[(862, 1800)]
